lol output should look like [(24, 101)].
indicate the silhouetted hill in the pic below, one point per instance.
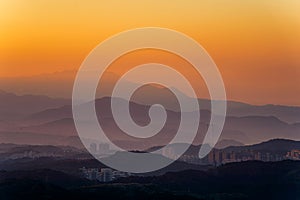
[(14, 106), (52, 118), (34, 138), (245, 180), (278, 146), (49, 115), (31, 190), (275, 146), (227, 143), (246, 130), (62, 127), (50, 176)]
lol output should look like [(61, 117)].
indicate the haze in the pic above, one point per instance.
[(255, 44)]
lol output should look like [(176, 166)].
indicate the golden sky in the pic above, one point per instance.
[(255, 44)]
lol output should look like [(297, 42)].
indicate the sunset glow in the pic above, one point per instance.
[(255, 44)]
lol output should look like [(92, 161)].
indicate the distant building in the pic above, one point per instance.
[(211, 158), (119, 174), (103, 174), (93, 148), (91, 173), (106, 175), (218, 157), (194, 159), (257, 156), (293, 154), (215, 157)]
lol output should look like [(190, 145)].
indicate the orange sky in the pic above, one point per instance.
[(255, 44)]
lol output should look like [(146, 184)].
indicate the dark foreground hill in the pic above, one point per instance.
[(246, 180)]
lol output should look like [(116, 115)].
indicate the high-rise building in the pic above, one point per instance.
[(107, 174), (211, 157), (233, 156), (218, 157), (293, 154), (257, 156), (119, 174), (215, 157), (93, 148)]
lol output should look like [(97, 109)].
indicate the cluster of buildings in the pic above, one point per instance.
[(101, 149), (103, 174), (34, 154), (293, 154), (217, 157)]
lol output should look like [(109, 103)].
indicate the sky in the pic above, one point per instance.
[(255, 44)]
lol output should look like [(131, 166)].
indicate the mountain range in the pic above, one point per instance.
[(40, 85), (69, 159), (36, 119)]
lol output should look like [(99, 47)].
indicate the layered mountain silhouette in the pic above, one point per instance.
[(36, 119), (60, 85), (14, 106)]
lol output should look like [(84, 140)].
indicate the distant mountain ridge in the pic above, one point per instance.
[(65, 79), (278, 145), (274, 146), (45, 117), (17, 106)]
